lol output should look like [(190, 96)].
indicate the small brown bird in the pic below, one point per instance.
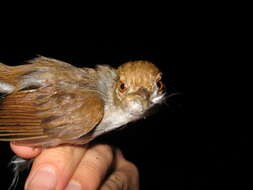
[(48, 102)]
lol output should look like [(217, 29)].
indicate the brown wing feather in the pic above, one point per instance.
[(58, 111), (62, 116), (18, 117)]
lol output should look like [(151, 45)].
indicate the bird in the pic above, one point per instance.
[(47, 102)]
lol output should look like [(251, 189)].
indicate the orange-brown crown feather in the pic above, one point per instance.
[(139, 73)]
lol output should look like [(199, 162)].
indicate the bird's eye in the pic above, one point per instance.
[(122, 87), (160, 85)]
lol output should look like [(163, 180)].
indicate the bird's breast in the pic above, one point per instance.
[(113, 119)]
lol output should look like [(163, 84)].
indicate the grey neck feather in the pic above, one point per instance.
[(107, 77)]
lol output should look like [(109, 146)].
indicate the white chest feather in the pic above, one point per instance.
[(113, 118)]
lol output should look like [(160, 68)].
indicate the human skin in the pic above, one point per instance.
[(66, 167)]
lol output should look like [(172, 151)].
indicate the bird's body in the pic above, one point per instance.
[(49, 102)]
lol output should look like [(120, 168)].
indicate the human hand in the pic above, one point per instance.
[(75, 168)]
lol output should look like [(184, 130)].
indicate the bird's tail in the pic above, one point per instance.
[(18, 165)]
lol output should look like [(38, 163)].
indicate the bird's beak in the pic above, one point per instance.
[(137, 102), (144, 93)]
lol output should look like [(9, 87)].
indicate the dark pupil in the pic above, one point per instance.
[(122, 86)]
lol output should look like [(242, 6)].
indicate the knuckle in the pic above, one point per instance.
[(118, 181), (132, 168), (132, 174)]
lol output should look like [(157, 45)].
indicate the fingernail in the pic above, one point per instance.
[(73, 185), (43, 179)]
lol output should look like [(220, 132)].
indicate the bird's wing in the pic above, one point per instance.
[(55, 112)]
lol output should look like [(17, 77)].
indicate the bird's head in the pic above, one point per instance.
[(139, 87)]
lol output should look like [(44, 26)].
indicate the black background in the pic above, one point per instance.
[(195, 140)]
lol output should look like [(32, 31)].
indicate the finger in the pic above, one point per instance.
[(92, 169), (125, 175), (53, 168), (116, 181), (25, 151)]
